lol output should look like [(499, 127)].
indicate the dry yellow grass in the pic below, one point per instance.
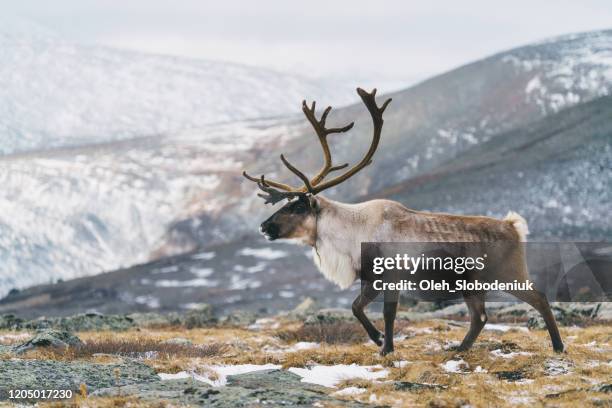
[(424, 346)]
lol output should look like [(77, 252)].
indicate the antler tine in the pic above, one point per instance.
[(298, 173), (322, 132), (273, 196), (274, 184), (369, 100)]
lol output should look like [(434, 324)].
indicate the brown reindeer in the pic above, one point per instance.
[(335, 231)]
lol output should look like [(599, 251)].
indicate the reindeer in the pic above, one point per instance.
[(335, 231)]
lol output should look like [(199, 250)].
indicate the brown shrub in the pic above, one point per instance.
[(333, 333), (336, 333), (141, 348)]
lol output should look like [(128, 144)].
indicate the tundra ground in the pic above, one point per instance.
[(508, 366)]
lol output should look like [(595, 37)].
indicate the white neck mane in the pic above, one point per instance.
[(337, 252)]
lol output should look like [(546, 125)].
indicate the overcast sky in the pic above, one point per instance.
[(397, 42)]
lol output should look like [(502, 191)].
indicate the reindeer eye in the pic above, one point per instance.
[(299, 207)]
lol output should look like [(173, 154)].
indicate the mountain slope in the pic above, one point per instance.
[(556, 171), (56, 93), (84, 210)]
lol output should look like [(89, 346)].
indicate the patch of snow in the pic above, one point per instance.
[(349, 391), (148, 300), (263, 253), (330, 376), (433, 345), (167, 269), (303, 345), (533, 84), (202, 272), (421, 330), (174, 376), (221, 372), (259, 267), (265, 323), (287, 294), (504, 327), (401, 363), (455, 366), (451, 344), (521, 400), (239, 283), (167, 283), (513, 354), (205, 256)]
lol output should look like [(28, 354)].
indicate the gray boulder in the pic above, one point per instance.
[(239, 318), (329, 316), (200, 317), (50, 338)]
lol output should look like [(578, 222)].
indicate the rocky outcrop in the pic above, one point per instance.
[(49, 338), (262, 388), (62, 375)]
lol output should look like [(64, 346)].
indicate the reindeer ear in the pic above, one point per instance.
[(314, 203)]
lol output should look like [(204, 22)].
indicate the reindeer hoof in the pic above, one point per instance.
[(386, 350), (559, 349), (378, 339)]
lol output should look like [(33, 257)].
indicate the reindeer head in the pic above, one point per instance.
[(297, 219)]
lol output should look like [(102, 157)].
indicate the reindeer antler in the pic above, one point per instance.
[(316, 185), (273, 196)]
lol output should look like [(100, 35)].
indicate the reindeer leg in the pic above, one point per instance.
[(389, 312), (367, 295), (478, 317), (539, 302)]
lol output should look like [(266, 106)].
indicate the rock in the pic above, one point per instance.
[(513, 311), (151, 320), (510, 375), (557, 366), (602, 388), (412, 386), (200, 317), (459, 309), (568, 314), (10, 322), (62, 375), (262, 388), (330, 316), (239, 318), (50, 338), (307, 307), (536, 323), (82, 322), (181, 341), (604, 312)]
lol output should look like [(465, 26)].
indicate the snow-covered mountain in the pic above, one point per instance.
[(82, 210), (57, 93)]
